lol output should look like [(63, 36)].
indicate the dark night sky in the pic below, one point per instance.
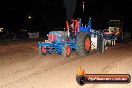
[(51, 13)]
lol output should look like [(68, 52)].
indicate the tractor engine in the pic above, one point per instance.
[(56, 36)]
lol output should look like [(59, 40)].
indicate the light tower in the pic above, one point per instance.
[(83, 6)]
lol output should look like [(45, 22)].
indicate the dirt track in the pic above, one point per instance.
[(22, 67)]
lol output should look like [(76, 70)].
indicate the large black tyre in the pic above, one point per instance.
[(81, 80), (82, 39)]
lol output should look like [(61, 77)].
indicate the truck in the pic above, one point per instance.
[(116, 28)]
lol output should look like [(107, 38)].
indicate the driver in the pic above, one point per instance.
[(71, 29)]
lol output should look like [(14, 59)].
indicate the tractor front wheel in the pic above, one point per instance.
[(42, 50), (66, 51)]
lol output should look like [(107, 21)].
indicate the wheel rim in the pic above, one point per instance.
[(87, 44), (68, 51), (43, 49)]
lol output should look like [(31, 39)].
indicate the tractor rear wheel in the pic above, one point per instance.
[(83, 43)]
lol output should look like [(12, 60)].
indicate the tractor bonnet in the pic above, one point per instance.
[(57, 36)]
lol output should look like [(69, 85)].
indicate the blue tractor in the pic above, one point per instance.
[(76, 38)]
